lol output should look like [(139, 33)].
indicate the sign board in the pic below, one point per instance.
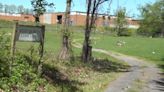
[(29, 33)]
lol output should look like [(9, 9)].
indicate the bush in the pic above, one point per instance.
[(21, 76), (4, 53), (125, 32)]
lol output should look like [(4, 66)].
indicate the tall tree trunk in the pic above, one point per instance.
[(65, 51), (37, 19), (92, 6), (86, 52)]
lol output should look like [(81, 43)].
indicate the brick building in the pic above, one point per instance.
[(77, 18), (16, 17)]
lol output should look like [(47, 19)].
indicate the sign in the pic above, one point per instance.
[(32, 34), (29, 33)]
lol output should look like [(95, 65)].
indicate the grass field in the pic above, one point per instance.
[(150, 49), (79, 76), (147, 48), (88, 77)]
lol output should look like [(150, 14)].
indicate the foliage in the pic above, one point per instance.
[(14, 9), (40, 8), (152, 19), (4, 52), (16, 73), (1, 7), (23, 77), (20, 9), (121, 22), (125, 32)]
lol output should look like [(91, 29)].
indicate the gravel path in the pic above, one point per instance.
[(140, 70)]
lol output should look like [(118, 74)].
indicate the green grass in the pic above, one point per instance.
[(150, 49), (147, 48), (96, 81), (88, 78)]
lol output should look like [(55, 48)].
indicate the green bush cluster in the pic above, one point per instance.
[(4, 52), (113, 32), (126, 32), (17, 73)]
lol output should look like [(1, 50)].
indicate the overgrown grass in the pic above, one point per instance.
[(77, 76), (74, 76)]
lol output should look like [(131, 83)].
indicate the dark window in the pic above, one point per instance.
[(59, 19), (26, 17), (103, 17)]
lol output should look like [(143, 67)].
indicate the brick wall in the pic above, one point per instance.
[(77, 18), (11, 17)]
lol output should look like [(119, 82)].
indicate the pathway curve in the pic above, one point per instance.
[(140, 70)]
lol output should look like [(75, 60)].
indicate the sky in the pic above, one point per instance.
[(80, 5)]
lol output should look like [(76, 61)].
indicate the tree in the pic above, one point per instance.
[(40, 8), (20, 9), (6, 8), (121, 22), (1, 7), (26, 11), (152, 21), (92, 10), (12, 9), (66, 45)]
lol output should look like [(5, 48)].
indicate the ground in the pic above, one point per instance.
[(149, 75), (109, 67)]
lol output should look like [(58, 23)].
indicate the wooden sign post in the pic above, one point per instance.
[(29, 33)]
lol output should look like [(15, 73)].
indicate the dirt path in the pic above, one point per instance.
[(148, 74), (140, 70)]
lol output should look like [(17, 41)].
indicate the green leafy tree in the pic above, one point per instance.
[(6, 8), (12, 9), (26, 11), (39, 8), (1, 7), (152, 23), (20, 9), (120, 21)]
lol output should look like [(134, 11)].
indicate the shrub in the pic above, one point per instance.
[(4, 52), (21, 76), (125, 32)]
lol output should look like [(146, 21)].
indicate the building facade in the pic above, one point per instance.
[(77, 19)]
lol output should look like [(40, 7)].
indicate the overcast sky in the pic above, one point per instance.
[(79, 5)]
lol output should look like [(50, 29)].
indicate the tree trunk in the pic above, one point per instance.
[(37, 19), (86, 45), (66, 49), (92, 6)]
